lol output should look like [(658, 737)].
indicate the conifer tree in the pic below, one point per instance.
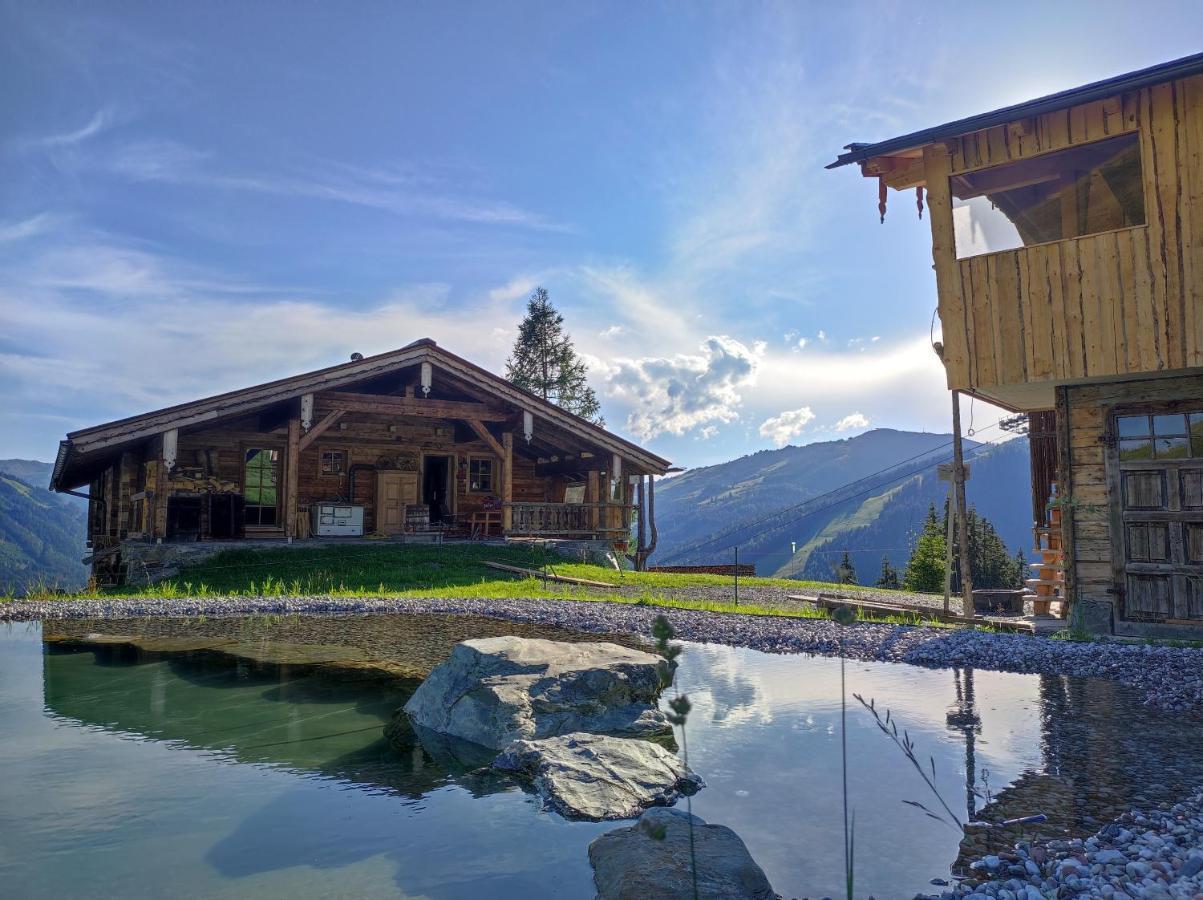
[(845, 572), (889, 576), (544, 360), (925, 569)]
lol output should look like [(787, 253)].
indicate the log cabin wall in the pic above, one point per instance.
[(211, 461), (1128, 301), (1096, 534)]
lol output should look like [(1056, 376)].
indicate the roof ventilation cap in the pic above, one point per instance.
[(356, 357)]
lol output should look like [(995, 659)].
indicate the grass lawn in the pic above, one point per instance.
[(454, 570)]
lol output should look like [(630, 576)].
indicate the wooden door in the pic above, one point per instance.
[(1157, 484), (393, 491)]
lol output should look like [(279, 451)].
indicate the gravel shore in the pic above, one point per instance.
[(1167, 677), (1143, 854)]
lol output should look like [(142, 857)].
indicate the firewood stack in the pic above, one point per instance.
[(1048, 585)]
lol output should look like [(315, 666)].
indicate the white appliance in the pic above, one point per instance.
[(337, 520)]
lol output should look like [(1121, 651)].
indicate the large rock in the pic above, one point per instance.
[(592, 776), (494, 691), (651, 859)]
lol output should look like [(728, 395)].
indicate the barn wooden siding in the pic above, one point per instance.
[(1097, 548), (1122, 302)]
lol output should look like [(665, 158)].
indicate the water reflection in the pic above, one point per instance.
[(356, 793)]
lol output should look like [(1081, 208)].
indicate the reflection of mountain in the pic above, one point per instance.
[(326, 719)]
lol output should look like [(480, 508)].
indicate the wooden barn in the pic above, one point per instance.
[(1067, 237), (416, 444)]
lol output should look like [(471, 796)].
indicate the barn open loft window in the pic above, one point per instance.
[(1056, 196)]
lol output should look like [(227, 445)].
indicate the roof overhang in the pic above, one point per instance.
[(104, 440), (1088, 93)]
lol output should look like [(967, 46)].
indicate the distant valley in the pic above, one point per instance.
[(42, 534), (794, 511)]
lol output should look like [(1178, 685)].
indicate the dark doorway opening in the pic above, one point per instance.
[(436, 487)]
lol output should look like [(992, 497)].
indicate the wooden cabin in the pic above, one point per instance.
[(1067, 237), (415, 443)]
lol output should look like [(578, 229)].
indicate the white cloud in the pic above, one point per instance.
[(783, 426), (513, 289), (850, 421), (802, 342), (103, 119), (612, 332), (707, 432), (27, 228), (673, 394)]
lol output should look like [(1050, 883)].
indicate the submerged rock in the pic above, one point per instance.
[(495, 691), (652, 859), (590, 776)]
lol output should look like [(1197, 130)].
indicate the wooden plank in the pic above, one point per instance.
[(292, 475), (413, 406), (483, 433), (536, 573), (507, 481), (936, 165), (1190, 124), (319, 429), (983, 323)]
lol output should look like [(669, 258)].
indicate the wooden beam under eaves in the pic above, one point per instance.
[(413, 406), (320, 428), (483, 433)]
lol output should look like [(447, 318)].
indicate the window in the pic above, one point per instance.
[(1160, 436), (334, 462), (1070, 193), (261, 476), (480, 476)]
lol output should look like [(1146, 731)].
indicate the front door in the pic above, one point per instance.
[(1158, 461), (393, 491), (436, 486)]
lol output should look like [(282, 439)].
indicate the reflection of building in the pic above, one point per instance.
[(1087, 317), (1102, 752)]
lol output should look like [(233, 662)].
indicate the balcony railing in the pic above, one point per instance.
[(570, 519)]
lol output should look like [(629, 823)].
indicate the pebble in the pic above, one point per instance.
[(1144, 855)]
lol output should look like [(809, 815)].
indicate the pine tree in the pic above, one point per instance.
[(845, 572), (889, 576), (925, 568), (544, 360)]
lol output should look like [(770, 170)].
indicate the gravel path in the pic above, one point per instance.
[(1149, 854), (1168, 677)]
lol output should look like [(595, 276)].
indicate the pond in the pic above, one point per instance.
[(245, 757)]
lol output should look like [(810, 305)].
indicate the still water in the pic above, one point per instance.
[(238, 758)]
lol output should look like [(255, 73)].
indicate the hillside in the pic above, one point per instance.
[(843, 499), (42, 534)]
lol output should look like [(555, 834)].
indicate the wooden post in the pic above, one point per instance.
[(952, 518), (641, 531), (958, 459), (292, 475), (592, 497), (507, 482)]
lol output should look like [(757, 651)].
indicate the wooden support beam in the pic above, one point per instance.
[(319, 429), (292, 474), (413, 406), (507, 482), (478, 427), (592, 497), (958, 458)]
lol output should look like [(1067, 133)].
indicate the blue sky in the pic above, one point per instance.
[(197, 197)]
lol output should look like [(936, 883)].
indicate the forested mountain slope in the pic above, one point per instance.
[(42, 534)]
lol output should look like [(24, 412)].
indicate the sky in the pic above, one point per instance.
[(200, 197)]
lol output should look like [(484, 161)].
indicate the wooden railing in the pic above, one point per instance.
[(570, 519)]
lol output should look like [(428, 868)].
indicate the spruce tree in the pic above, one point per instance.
[(544, 360), (845, 572), (889, 576), (925, 568)]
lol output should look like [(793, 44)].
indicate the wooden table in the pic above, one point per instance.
[(481, 522)]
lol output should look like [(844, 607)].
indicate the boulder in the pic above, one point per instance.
[(651, 859), (591, 776), (494, 691)]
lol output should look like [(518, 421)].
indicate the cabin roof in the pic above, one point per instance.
[(1087, 93), (124, 432)]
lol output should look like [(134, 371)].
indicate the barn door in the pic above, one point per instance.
[(1157, 465)]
